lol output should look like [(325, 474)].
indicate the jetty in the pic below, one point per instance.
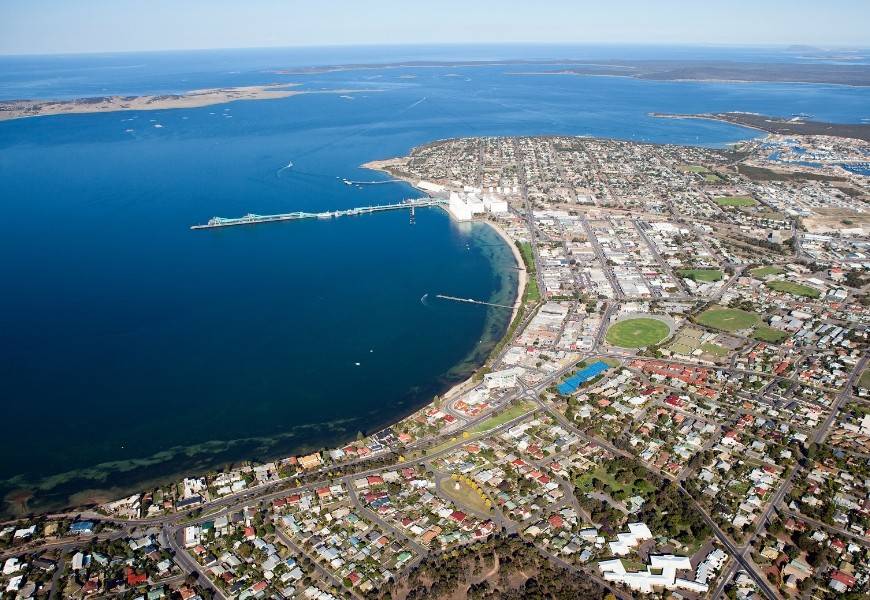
[(472, 301), (379, 182), (252, 219)]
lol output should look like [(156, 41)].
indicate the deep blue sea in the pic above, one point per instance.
[(133, 349)]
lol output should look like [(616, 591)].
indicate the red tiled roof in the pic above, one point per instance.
[(134, 578), (843, 578)]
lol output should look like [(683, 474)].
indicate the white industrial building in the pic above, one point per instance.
[(495, 205), (463, 206)]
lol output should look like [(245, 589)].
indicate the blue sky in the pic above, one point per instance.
[(52, 26)]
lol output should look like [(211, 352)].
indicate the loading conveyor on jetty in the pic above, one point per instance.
[(252, 219)]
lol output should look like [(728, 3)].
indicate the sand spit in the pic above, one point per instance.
[(18, 109)]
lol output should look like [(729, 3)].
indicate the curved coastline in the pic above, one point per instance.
[(382, 166), (469, 383), (17, 501)]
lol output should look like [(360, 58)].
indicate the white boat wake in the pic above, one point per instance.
[(289, 165)]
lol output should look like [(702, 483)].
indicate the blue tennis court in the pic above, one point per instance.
[(572, 383)]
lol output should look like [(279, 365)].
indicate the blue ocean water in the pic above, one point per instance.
[(134, 349)]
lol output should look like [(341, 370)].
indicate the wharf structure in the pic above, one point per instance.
[(253, 219), (462, 206)]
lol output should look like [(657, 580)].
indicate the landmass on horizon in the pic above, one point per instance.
[(798, 125), (659, 70), (17, 109), (656, 70)]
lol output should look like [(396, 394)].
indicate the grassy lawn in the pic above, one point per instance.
[(711, 178), (714, 349), (769, 334), (463, 494), (584, 482), (796, 289), (696, 169), (760, 272), (633, 566), (727, 319), (637, 333), (510, 413), (528, 256), (531, 293), (683, 344), (703, 275), (736, 201), (739, 488), (443, 445), (864, 382)]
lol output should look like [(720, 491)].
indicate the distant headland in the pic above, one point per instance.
[(17, 109)]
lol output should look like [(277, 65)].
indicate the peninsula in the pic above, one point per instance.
[(791, 126), (17, 109)]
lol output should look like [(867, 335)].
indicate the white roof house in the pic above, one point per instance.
[(637, 532)]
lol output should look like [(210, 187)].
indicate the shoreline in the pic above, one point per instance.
[(383, 166), (460, 388), (522, 276), (777, 125), (95, 495)]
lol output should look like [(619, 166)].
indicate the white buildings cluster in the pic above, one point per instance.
[(463, 206)]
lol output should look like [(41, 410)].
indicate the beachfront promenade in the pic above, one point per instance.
[(252, 219)]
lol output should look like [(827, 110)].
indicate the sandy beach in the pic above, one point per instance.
[(392, 166), (522, 275)]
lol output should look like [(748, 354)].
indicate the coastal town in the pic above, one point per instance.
[(680, 407)]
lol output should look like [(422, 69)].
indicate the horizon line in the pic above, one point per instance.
[(659, 44)]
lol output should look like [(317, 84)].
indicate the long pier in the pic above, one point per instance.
[(472, 301), (252, 219), (380, 182)]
